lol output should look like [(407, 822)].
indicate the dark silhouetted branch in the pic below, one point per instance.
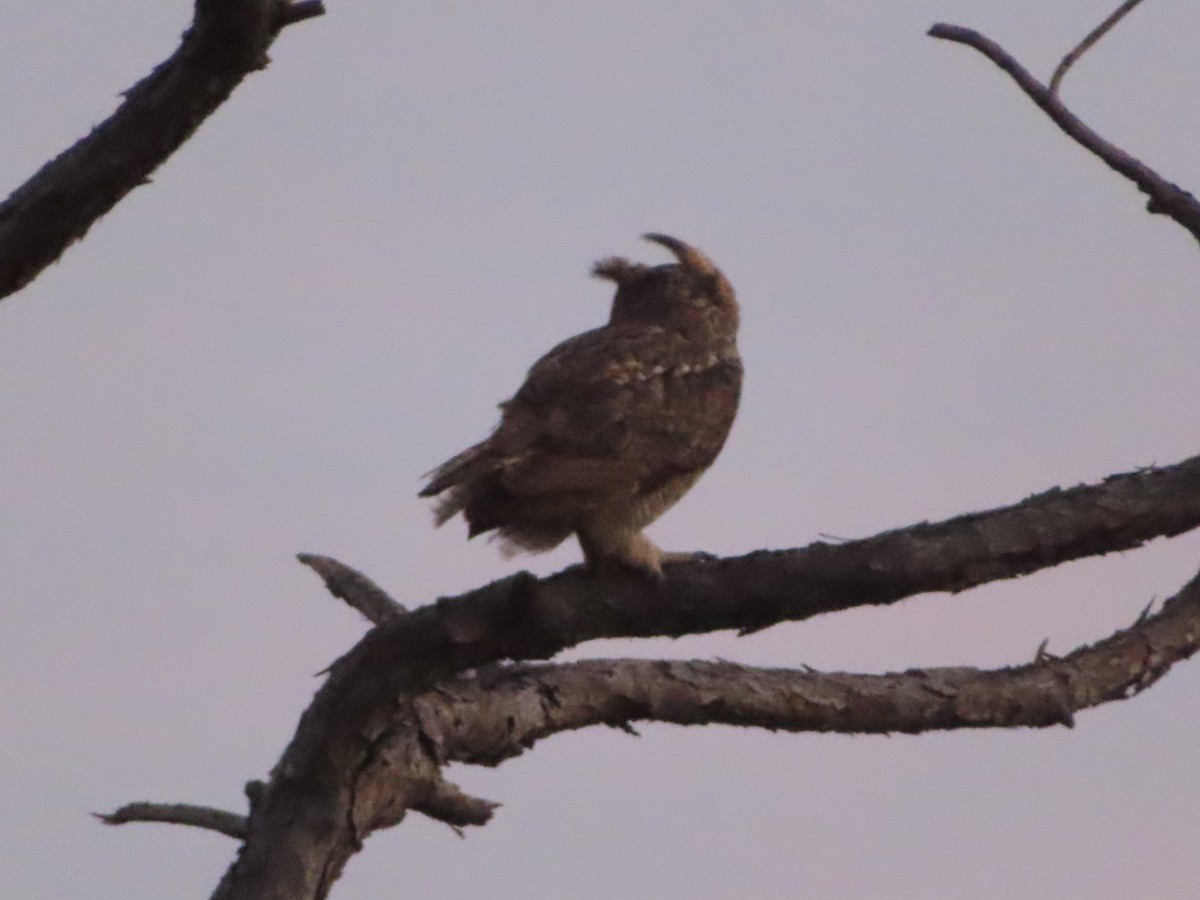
[(1088, 42), (220, 820), (299, 10), (489, 717), (324, 797), (1166, 198), (227, 41)]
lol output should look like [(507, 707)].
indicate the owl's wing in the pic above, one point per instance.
[(621, 409)]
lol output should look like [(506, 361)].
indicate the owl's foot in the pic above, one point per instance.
[(623, 551)]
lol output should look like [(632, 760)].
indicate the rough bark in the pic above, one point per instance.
[(497, 713), (227, 41), (343, 775)]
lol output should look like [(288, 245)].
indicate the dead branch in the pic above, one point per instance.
[(317, 807), (401, 773), (489, 717), (1166, 198), (447, 803), (355, 588), (1088, 42), (219, 820), (227, 41)]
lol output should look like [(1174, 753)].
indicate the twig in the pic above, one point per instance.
[(1145, 613), (1086, 44), (449, 804), (355, 588), (207, 817), (298, 11), (1166, 198), (1040, 655)]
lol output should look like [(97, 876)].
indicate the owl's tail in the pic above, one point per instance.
[(455, 477)]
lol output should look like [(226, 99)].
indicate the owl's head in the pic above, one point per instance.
[(691, 295)]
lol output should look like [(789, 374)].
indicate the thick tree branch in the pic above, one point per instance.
[(313, 809), (1166, 198), (499, 713), (227, 41), (220, 820)]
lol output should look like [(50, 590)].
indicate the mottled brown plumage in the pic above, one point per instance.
[(612, 426)]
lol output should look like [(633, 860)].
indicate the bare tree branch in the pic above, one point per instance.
[(1088, 42), (1166, 198), (523, 618), (447, 803), (227, 41), (488, 717), (220, 820), (299, 10), (394, 770), (354, 587), (318, 807), (401, 773)]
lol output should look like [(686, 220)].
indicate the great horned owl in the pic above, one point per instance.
[(612, 426)]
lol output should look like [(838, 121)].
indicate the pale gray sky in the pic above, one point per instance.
[(947, 306)]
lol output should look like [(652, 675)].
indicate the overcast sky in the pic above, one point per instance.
[(947, 306)]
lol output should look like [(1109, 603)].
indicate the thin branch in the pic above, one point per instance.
[(1086, 44), (1166, 198), (207, 817), (485, 720), (298, 11), (355, 588), (449, 804), (227, 41)]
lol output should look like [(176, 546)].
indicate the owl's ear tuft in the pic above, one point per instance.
[(689, 257), (694, 261), (615, 268)]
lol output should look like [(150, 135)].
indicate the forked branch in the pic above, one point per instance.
[(365, 742), (1166, 198), (491, 716), (1090, 41)]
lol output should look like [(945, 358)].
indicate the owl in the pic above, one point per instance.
[(612, 426)]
